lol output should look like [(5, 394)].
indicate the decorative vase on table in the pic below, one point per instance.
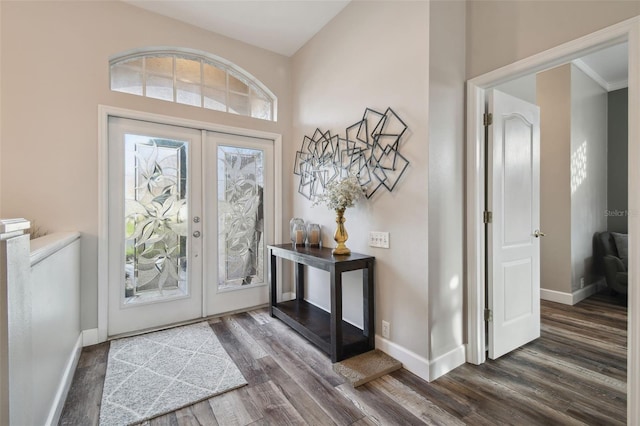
[(338, 195), (340, 235)]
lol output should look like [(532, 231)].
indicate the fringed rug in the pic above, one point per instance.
[(156, 373)]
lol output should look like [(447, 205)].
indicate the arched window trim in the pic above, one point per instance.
[(193, 54)]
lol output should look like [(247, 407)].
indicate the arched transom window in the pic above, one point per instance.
[(192, 78)]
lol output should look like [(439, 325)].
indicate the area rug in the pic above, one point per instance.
[(156, 373), (366, 367)]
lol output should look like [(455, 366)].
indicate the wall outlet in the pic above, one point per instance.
[(385, 329), (581, 282), (379, 239)]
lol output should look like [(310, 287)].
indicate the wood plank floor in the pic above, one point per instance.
[(574, 374)]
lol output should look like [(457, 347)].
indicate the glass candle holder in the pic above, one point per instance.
[(295, 221), (313, 235), (300, 234)]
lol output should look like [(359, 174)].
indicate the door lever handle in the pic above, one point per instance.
[(538, 234)]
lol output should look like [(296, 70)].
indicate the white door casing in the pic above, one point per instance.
[(628, 30), (204, 297), (514, 234), (104, 114)]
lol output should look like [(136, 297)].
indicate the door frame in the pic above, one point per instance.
[(628, 30), (104, 112)]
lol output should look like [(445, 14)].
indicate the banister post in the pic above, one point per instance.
[(15, 319)]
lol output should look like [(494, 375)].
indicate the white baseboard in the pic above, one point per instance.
[(447, 362), (589, 290), (556, 296), (90, 337), (571, 298), (63, 389), (413, 362)]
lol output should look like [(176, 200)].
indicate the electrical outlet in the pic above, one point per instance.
[(385, 329), (581, 282), (379, 239)]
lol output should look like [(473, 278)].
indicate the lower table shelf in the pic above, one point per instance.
[(313, 323)]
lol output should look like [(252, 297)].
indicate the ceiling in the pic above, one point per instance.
[(284, 26), (281, 26), (608, 67)]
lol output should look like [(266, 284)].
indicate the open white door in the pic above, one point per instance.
[(513, 235)]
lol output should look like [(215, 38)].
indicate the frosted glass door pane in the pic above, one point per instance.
[(155, 218), (240, 217)]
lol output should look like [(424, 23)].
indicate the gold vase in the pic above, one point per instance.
[(341, 235)]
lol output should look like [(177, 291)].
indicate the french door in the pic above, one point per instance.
[(190, 213)]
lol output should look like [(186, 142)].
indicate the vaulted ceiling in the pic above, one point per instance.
[(283, 26), (276, 25)]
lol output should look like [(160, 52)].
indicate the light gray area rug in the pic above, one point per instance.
[(156, 373), (366, 367)]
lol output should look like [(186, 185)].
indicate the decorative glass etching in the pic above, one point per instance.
[(155, 218), (240, 216), (200, 80)]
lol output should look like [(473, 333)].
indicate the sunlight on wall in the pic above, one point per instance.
[(578, 167), (454, 283)]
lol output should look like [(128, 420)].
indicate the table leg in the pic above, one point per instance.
[(368, 308), (273, 280), (336, 315), (299, 279)]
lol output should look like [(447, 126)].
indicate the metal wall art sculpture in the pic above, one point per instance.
[(370, 151)]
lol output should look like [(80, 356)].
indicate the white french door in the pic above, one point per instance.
[(239, 220), (190, 213)]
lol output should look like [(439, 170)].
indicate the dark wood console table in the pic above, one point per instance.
[(326, 330)]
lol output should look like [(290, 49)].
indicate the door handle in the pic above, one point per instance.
[(196, 234), (538, 234)]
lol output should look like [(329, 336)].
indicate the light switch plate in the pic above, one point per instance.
[(379, 239)]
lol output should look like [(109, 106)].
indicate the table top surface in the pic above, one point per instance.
[(323, 253)]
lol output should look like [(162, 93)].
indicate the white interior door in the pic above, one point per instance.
[(239, 188), (513, 236), (155, 269)]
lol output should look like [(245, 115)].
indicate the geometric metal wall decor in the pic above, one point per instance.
[(370, 151)]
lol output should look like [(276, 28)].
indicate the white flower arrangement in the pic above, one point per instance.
[(338, 195)]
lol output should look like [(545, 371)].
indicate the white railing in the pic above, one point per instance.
[(40, 335)]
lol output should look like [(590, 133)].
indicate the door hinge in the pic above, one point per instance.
[(487, 119), (488, 315), (487, 217)]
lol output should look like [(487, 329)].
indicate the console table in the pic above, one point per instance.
[(326, 330)]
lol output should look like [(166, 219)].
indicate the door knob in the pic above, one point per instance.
[(538, 234), (196, 234)]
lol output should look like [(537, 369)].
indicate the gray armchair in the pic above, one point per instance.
[(611, 259)]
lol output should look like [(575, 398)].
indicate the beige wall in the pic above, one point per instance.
[(446, 175), (572, 205), (362, 59), (589, 196), (55, 57), (502, 32), (554, 99)]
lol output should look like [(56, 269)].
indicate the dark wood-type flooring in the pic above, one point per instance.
[(574, 374)]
